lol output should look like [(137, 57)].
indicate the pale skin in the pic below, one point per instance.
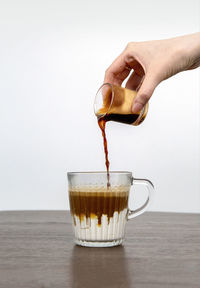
[(146, 64)]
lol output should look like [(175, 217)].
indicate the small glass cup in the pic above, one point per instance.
[(99, 213), (115, 103)]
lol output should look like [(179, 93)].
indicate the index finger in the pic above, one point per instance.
[(118, 71)]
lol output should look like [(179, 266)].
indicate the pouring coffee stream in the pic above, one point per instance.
[(114, 103), (102, 125)]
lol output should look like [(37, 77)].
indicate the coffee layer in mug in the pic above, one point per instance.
[(95, 202)]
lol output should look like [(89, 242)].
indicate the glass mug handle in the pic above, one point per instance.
[(143, 208)]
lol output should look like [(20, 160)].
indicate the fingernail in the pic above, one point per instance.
[(137, 107)]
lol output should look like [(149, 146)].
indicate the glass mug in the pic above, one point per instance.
[(115, 103), (99, 213)]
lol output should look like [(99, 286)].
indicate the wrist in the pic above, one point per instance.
[(191, 47)]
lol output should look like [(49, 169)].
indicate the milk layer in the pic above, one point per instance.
[(89, 230)]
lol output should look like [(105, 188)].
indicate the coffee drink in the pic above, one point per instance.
[(99, 214)]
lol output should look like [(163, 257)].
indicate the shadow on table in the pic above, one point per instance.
[(99, 267)]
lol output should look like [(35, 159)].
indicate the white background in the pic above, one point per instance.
[(53, 55)]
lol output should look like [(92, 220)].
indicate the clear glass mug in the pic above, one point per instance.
[(99, 213), (115, 103)]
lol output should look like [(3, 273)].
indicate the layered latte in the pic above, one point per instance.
[(99, 213)]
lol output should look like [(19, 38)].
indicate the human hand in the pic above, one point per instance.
[(148, 63)]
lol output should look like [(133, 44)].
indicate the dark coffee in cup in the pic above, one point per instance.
[(99, 214)]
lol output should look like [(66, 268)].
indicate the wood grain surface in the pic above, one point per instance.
[(160, 250)]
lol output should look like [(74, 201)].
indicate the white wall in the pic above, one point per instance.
[(53, 55)]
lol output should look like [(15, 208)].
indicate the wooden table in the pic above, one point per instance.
[(37, 250)]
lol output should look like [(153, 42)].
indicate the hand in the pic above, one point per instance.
[(149, 63)]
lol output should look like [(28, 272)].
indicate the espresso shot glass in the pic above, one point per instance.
[(99, 214), (114, 103)]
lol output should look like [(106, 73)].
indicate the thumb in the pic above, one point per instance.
[(145, 92)]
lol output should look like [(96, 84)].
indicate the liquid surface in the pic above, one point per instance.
[(95, 204)]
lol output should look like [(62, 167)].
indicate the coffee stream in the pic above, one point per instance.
[(123, 118), (102, 125)]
